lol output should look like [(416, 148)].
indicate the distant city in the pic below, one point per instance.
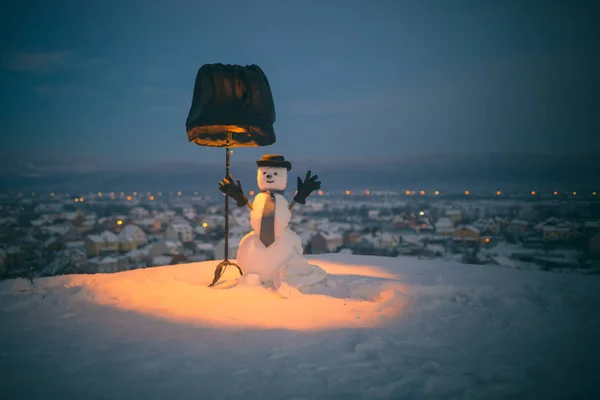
[(46, 234)]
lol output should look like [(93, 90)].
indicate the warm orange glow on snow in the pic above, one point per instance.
[(180, 294)]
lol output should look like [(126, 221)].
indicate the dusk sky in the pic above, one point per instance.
[(114, 79)]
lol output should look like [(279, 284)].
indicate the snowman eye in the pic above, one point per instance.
[(275, 173), (264, 173)]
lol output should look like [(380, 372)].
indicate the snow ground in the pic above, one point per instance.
[(415, 329)]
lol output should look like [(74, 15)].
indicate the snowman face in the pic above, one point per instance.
[(271, 178)]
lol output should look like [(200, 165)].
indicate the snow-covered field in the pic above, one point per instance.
[(391, 328)]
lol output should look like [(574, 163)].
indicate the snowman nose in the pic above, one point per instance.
[(269, 176)]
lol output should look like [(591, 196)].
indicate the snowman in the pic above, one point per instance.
[(272, 252)]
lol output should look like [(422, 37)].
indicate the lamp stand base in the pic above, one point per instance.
[(221, 267)]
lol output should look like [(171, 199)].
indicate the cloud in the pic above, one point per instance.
[(36, 62)]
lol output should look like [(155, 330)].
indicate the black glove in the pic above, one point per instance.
[(306, 188), (234, 191)]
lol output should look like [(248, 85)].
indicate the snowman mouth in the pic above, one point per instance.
[(270, 181)]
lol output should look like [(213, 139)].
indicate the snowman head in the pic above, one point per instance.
[(271, 178)]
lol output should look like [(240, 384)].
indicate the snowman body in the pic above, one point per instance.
[(274, 262)]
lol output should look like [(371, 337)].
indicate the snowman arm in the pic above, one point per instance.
[(249, 205), (292, 204)]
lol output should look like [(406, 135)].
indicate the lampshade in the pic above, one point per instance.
[(231, 99)]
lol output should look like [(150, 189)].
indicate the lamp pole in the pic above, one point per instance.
[(223, 264)]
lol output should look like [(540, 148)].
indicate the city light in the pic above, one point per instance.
[(421, 212), (533, 192), (367, 192), (487, 240), (593, 193), (347, 192), (119, 222), (76, 199), (178, 193), (422, 192), (467, 192), (498, 193), (407, 192), (252, 193), (134, 194), (320, 193), (122, 194), (99, 194), (205, 224), (555, 192), (574, 193), (436, 192), (151, 198), (128, 198), (81, 199), (51, 194)]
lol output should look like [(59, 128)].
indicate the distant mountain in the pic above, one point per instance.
[(19, 172)]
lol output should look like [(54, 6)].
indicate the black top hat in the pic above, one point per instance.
[(274, 160)]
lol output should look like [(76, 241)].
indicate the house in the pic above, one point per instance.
[(101, 243), (179, 230), (350, 238), (325, 243), (518, 227), (560, 232), (106, 264), (234, 243), (454, 215), (133, 233), (466, 234), (444, 227), (206, 249)]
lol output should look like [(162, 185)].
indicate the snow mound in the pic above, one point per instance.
[(389, 328)]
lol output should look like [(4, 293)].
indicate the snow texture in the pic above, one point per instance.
[(391, 328)]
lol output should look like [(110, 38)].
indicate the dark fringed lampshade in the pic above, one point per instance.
[(231, 99)]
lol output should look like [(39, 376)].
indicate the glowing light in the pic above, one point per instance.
[(487, 240), (260, 310), (422, 192), (533, 192), (99, 194), (347, 192), (320, 193), (178, 193), (51, 194), (81, 199), (498, 193), (119, 222), (122, 194), (436, 192), (407, 192), (205, 224), (151, 198), (574, 193), (134, 194), (555, 193), (252, 193), (421, 212), (367, 192), (593, 193), (467, 192), (128, 198), (76, 200)]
